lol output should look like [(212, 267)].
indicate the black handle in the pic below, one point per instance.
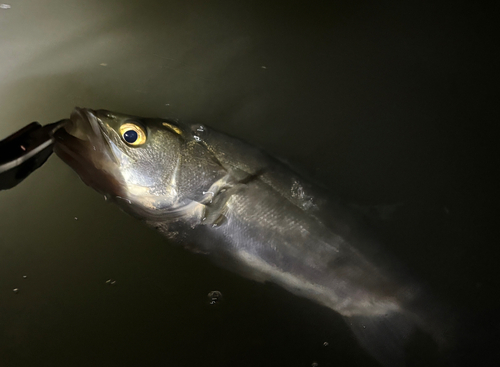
[(24, 151)]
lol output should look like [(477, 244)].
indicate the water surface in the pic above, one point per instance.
[(383, 103)]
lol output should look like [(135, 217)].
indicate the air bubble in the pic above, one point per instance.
[(16, 290), (214, 297)]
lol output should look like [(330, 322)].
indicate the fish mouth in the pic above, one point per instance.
[(85, 126), (84, 145)]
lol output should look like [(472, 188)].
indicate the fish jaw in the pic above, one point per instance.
[(84, 146)]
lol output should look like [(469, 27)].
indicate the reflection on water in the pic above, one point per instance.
[(383, 103)]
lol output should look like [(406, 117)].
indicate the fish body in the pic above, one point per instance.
[(252, 214)]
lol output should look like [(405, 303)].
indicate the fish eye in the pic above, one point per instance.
[(132, 134)]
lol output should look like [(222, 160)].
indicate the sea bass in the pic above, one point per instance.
[(251, 214)]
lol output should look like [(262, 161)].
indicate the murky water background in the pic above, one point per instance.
[(383, 103)]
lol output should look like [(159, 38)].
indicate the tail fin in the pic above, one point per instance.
[(445, 339), (396, 340)]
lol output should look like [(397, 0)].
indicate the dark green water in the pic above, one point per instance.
[(382, 103)]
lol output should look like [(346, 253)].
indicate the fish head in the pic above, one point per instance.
[(131, 160)]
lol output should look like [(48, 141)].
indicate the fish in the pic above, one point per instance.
[(252, 214)]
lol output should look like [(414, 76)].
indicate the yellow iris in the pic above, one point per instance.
[(132, 134)]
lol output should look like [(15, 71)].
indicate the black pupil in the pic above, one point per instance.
[(130, 136)]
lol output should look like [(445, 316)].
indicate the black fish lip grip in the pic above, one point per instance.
[(24, 151)]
